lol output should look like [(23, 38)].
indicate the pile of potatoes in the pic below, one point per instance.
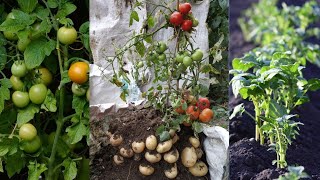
[(154, 152)]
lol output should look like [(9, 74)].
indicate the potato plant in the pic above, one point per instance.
[(271, 76), (44, 108), (178, 88)]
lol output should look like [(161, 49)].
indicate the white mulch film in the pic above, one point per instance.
[(109, 24)]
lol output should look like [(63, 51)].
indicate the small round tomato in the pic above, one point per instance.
[(195, 22), (179, 57), (140, 64), (186, 25), (78, 72), (31, 146), (22, 44), (20, 99), (197, 55), (184, 8), (162, 57), (78, 90), (203, 103), (27, 132), (38, 93), (161, 47), (43, 76), (88, 95), (36, 33), (193, 112), (187, 61), (67, 35), (206, 115), (10, 35), (19, 68), (192, 100), (176, 18), (16, 82)]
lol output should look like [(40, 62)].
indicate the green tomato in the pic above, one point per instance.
[(20, 99), (179, 57), (162, 57), (36, 33), (43, 76), (161, 47), (67, 35), (187, 61), (197, 55), (22, 44), (31, 146), (88, 95), (78, 90), (19, 68), (140, 64), (38, 93), (152, 56), (27, 132), (16, 82), (195, 22), (10, 35), (51, 137)]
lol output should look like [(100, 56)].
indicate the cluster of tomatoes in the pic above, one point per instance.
[(30, 141), (186, 59), (197, 109), (184, 18)]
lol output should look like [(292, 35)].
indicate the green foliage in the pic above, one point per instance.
[(36, 22), (295, 173), (271, 75)]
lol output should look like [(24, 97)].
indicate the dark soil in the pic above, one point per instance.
[(132, 125), (249, 160)]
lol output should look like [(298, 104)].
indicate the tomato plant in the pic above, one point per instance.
[(38, 44), (178, 71)]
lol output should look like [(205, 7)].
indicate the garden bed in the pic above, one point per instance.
[(248, 159), (133, 125)]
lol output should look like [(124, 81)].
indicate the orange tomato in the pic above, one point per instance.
[(206, 115), (78, 72), (193, 112)]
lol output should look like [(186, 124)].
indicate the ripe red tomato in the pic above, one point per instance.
[(176, 18), (206, 115), (193, 112), (184, 8), (203, 103), (186, 25)]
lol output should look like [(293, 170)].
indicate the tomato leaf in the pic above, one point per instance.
[(4, 92), (197, 127), (1, 166), (27, 5), (42, 13), (78, 104), (52, 3), (8, 118), (84, 30), (35, 170), (133, 16), (208, 68), (151, 22), (165, 135), (36, 51), (65, 10), (70, 171), (50, 103), (76, 132), (26, 114), (14, 163), (21, 21)]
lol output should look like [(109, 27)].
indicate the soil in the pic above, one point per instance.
[(249, 160), (134, 124)]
